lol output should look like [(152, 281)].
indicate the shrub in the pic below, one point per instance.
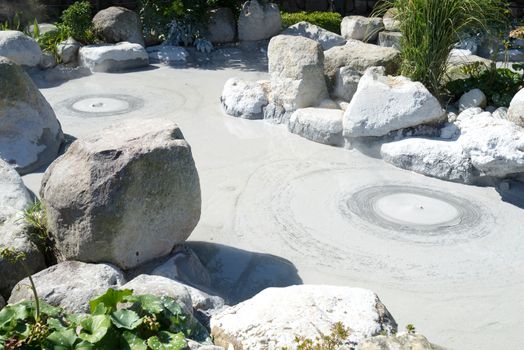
[(431, 28), (498, 84), (76, 21), (118, 320), (337, 338), (327, 20)]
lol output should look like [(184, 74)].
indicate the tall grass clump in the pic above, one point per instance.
[(431, 28)]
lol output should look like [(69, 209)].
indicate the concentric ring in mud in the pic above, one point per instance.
[(415, 213), (101, 105)]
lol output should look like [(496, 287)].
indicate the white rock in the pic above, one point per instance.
[(30, 134), (501, 113), (221, 26), (19, 48), (383, 104), (495, 146), (272, 318), (324, 37), (516, 109), (68, 50), (444, 160), (329, 104), (70, 284), (346, 83), (391, 21), (245, 99), (48, 60), (109, 58), (14, 198), (390, 39), (361, 28), (472, 98), (404, 341), (296, 67), (167, 54), (258, 21), (318, 124)]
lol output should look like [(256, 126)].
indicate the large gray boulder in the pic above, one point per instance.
[(346, 83), (296, 68), (318, 124), (111, 58), (245, 99), (324, 37), (360, 56), (126, 195), (471, 99), (14, 235), (70, 285), (516, 109), (30, 134), (384, 104), (20, 48), (272, 318), (221, 26), (258, 21), (361, 28), (404, 341), (115, 24)]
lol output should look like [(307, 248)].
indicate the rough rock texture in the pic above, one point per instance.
[(390, 20), (30, 134), (398, 342), (502, 113), (444, 160), (516, 109), (167, 54), (296, 67), (258, 21), (383, 104), (318, 124), (361, 28), (116, 24), (70, 284), (346, 83), (68, 50), (458, 59), (14, 198), (471, 99), (360, 56), (245, 99), (193, 345), (126, 195), (272, 318), (19, 48), (390, 39), (495, 146), (48, 61), (221, 26), (161, 286), (109, 58), (324, 37)]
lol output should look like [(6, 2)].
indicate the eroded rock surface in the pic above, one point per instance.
[(318, 124), (245, 99), (324, 37)]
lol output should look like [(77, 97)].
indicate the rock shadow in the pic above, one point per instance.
[(512, 192), (237, 275)]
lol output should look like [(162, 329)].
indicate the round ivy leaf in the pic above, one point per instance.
[(167, 341), (131, 341), (62, 340), (94, 328), (127, 319)]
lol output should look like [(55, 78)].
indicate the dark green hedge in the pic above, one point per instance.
[(327, 20)]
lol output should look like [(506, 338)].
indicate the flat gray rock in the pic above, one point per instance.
[(113, 57), (324, 37), (318, 124)]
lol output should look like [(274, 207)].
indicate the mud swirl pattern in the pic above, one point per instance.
[(101, 105), (359, 223)]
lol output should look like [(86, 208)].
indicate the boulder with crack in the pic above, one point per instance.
[(383, 104), (125, 196), (272, 318)]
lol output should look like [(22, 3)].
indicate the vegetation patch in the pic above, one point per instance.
[(327, 20)]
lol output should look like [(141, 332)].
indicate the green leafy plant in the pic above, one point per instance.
[(431, 28), (118, 320), (498, 84), (338, 337), (327, 20), (76, 22), (410, 329)]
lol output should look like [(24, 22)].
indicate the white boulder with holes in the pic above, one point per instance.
[(318, 124), (126, 195), (245, 99), (383, 104), (272, 318), (296, 68), (113, 57), (20, 48), (30, 134), (324, 37), (361, 28), (70, 285), (258, 21)]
